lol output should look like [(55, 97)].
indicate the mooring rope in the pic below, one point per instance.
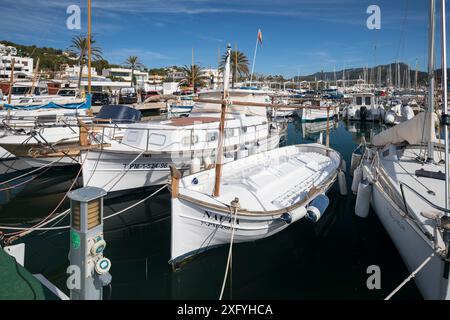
[(64, 213), (16, 235), (230, 251), (412, 275), (31, 172), (136, 204)]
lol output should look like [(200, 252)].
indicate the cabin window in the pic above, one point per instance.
[(358, 101), (157, 139), (211, 136), (132, 136), (368, 101)]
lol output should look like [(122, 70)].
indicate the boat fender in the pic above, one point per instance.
[(356, 160), (286, 217), (389, 118), (195, 165), (357, 177), (343, 166), (363, 199), (207, 162), (317, 208), (342, 183)]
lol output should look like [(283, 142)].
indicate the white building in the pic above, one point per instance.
[(175, 76), (74, 71), (23, 67), (142, 78)]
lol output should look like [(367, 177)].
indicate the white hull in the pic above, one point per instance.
[(274, 189), (310, 115), (413, 247), (114, 171)]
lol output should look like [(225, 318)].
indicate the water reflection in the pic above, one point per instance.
[(327, 260)]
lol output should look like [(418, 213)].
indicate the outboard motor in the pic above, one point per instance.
[(363, 113)]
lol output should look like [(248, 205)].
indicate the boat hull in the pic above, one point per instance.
[(412, 246)]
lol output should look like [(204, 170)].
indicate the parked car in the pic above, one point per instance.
[(127, 96), (100, 98)]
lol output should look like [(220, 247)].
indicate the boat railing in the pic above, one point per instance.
[(192, 133), (402, 185)]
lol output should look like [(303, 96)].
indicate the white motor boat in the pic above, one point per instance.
[(143, 156), (321, 113), (363, 108)]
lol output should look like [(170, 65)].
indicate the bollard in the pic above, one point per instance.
[(87, 244)]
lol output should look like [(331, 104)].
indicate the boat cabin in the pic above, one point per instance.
[(364, 99)]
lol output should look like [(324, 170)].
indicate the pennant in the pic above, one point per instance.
[(260, 38)]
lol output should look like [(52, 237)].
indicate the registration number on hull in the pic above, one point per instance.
[(145, 166)]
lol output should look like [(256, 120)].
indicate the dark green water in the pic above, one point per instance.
[(327, 260)]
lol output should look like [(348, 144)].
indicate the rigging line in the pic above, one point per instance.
[(412, 275), (417, 180)]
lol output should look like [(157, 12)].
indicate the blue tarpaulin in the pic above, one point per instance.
[(52, 105)]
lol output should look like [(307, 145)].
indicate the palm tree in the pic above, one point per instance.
[(239, 65), (195, 76), (133, 63), (79, 47)]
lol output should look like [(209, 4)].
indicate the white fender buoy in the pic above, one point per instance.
[(195, 165), (363, 199), (389, 118), (407, 113), (356, 159), (317, 208), (343, 166), (357, 177), (342, 183), (207, 162)]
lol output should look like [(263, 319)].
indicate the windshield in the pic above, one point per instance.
[(20, 90), (66, 93)]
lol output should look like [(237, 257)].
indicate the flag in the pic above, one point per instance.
[(260, 39)]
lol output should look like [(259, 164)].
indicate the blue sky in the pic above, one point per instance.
[(300, 36)]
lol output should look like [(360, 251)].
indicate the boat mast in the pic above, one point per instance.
[(219, 153), (444, 95), (89, 47), (431, 79)]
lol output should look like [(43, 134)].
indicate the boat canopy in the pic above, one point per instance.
[(50, 105), (240, 95), (418, 130), (119, 114)]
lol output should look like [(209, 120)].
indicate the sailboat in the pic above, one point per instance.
[(250, 198), (405, 179)]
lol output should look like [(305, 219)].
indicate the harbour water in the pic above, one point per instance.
[(327, 260)]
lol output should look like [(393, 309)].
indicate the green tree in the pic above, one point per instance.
[(194, 76), (79, 47), (133, 63), (239, 65)]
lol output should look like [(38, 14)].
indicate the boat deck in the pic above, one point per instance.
[(403, 171), (267, 183)]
